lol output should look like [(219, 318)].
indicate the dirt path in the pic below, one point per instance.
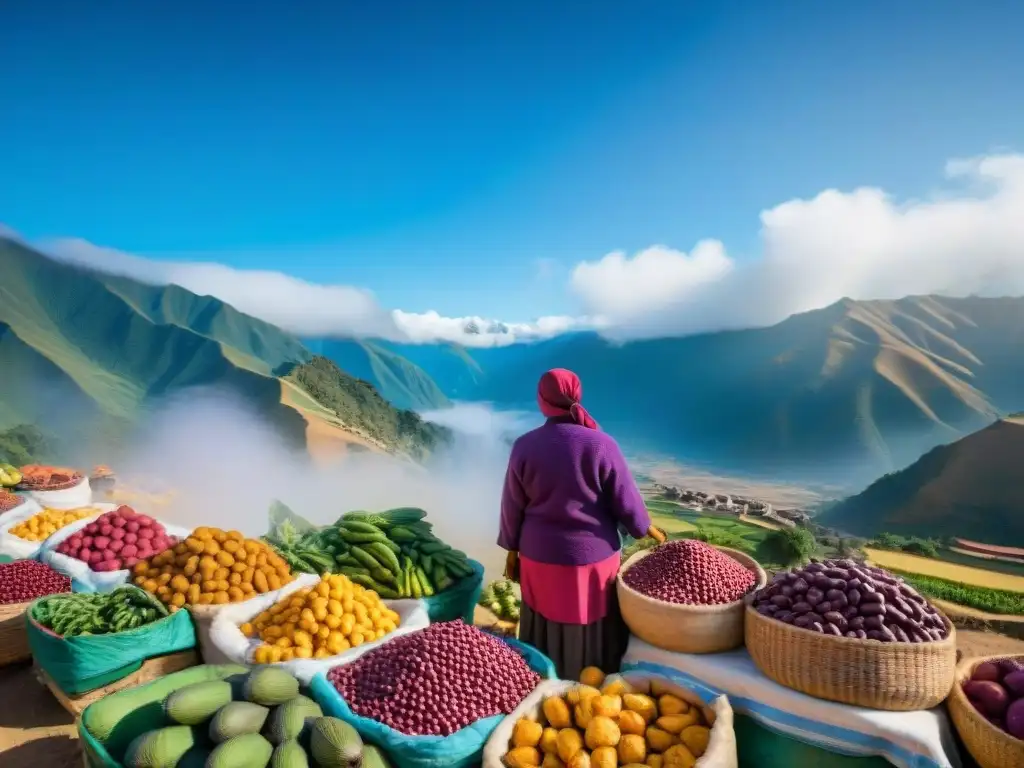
[(35, 731)]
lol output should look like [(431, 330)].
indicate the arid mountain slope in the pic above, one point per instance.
[(842, 394), (969, 489)]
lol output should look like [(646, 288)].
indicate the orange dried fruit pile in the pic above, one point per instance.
[(212, 567)]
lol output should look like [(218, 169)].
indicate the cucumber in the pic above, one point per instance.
[(360, 537), (428, 588), (384, 556), (365, 559), (356, 526)]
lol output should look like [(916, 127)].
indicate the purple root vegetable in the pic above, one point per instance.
[(1014, 721), (987, 670), (989, 697), (1014, 683), (851, 598)]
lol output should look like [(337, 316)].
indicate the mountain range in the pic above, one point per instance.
[(838, 395), (87, 356)]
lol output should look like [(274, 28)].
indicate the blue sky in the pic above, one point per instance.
[(464, 156)]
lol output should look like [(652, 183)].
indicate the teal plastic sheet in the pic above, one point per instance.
[(462, 749), (87, 662), (458, 601), (758, 747)]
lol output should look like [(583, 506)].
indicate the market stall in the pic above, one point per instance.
[(357, 637)]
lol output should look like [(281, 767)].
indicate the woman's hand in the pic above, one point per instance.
[(512, 566), (657, 534)]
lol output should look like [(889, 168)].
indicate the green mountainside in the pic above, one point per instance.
[(85, 356), (839, 395), (356, 402), (968, 488), (395, 376)]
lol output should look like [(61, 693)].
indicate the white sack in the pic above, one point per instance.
[(23, 549), (721, 751), (97, 581), (224, 642), (79, 495)]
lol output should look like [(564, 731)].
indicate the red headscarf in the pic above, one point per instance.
[(558, 394)]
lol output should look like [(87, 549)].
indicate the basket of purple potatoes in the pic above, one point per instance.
[(852, 633)]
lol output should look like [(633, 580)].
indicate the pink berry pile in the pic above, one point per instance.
[(436, 681), (25, 580), (117, 540), (690, 572)]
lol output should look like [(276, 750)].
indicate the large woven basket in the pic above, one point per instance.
[(685, 628), (991, 747), (868, 673), (13, 634)]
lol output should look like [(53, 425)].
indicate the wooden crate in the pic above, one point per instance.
[(13, 634), (147, 673)]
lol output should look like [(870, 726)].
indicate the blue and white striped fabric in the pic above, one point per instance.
[(907, 739)]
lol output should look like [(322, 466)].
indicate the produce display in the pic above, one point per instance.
[(42, 526), (846, 598), (249, 721), (25, 580), (499, 597), (435, 681), (9, 501), (117, 540), (97, 613), (212, 567), (320, 621), (996, 689), (690, 572), (9, 476), (394, 553), (591, 728), (40, 477)]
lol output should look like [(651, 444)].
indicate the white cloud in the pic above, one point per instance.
[(306, 309), (859, 245)]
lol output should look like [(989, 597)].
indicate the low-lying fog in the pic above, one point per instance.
[(226, 467)]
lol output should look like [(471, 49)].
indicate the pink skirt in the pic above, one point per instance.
[(569, 594)]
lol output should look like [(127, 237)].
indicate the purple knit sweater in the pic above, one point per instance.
[(567, 491)]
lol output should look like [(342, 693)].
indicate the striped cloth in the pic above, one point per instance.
[(921, 739)]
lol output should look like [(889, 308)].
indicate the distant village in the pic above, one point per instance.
[(727, 503)]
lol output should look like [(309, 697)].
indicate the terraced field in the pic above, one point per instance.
[(941, 569)]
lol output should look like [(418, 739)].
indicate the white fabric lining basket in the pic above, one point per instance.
[(721, 750), (98, 581), (23, 549), (79, 495), (221, 640)]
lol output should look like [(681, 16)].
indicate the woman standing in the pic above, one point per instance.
[(567, 492)]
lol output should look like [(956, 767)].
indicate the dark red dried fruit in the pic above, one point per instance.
[(690, 572), (436, 681), (25, 580)]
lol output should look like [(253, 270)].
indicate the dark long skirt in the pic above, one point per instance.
[(575, 646)]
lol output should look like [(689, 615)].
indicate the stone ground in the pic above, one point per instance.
[(35, 731)]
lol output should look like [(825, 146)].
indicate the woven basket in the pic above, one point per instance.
[(991, 747), (898, 677), (686, 628), (13, 634)]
